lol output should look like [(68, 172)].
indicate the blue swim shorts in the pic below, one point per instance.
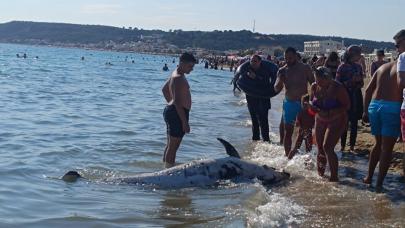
[(385, 118), (290, 111)]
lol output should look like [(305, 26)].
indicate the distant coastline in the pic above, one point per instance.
[(134, 40), (93, 49)]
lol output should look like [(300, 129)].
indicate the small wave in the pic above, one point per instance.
[(242, 102), (42, 70), (279, 211), (45, 122), (245, 123)]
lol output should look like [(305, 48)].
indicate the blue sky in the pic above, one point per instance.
[(366, 19)]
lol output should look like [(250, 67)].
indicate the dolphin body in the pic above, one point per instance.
[(206, 172)]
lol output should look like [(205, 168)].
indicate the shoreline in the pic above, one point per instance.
[(94, 49), (365, 140), (365, 143)]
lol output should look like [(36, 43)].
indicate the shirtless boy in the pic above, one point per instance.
[(176, 91)]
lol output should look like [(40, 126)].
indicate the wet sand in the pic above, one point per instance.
[(365, 142)]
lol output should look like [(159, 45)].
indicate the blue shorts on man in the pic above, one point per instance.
[(290, 111), (384, 118)]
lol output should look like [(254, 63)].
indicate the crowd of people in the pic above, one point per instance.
[(323, 98), (219, 62)]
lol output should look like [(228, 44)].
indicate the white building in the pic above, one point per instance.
[(321, 47)]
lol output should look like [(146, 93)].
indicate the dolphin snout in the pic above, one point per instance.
[(71, 176)]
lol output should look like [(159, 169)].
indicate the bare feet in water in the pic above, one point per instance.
[(334, 179), (367, 180), (291, 154), (379, 189)]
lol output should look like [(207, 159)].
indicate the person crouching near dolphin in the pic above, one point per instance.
[(330, 101), (305, 122), (176, 91)]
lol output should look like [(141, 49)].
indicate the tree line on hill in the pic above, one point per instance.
[(27, 32)]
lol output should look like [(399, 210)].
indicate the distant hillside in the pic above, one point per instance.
[(48, 33), (58, 32)]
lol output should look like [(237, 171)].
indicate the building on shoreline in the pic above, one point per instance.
[(321, 47)]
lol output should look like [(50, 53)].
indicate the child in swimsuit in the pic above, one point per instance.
[(305, 122)]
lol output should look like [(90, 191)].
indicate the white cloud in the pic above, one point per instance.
[(101, 9)]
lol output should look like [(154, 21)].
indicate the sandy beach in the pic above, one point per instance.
[(365, 143)]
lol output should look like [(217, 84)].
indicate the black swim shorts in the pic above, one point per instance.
[(173, 122)]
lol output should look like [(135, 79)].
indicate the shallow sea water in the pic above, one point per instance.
[(59, 113)]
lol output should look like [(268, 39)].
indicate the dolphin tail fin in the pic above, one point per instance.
[(230, 150)]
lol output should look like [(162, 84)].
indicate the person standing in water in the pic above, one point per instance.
[(176, 91), (305, 122), (330, 101), (295, 76), (382, 102), (165, 67), (262, 75)]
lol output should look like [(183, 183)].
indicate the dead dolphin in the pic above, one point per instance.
[(205, 172)]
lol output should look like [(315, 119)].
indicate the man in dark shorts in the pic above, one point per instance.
[(176, 91)]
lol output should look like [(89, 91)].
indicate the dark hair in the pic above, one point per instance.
[(323, 72), (380, 52), (351, 51), (257, 57), (187, 58), (290, 50), (333, 56), (305, 98), (400, 35)]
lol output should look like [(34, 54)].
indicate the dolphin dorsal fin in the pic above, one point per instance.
[(230, 150)]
